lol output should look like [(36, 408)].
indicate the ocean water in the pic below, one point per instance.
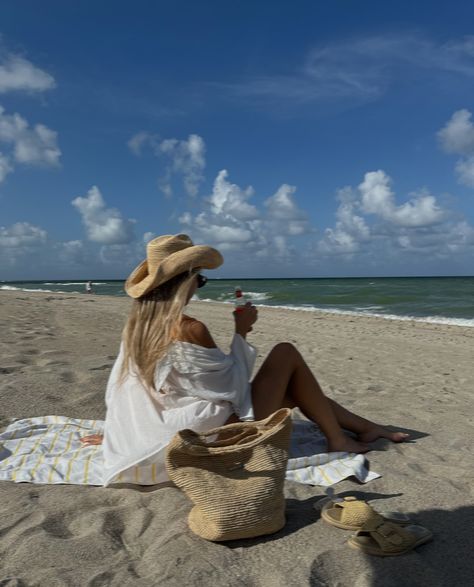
[(430, 299)]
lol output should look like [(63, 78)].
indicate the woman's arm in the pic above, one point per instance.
[(196, 332)]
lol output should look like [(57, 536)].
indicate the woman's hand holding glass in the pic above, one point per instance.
[(244, 317)]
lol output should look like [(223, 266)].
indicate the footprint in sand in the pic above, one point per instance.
[(8, 370), (46, 336), (415, 467), (377, 388), (50, 363), (52, 398), (106, 577), (67, 377), (53, 352), (54, 525)]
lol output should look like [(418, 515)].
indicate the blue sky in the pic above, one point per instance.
[(300, 138)]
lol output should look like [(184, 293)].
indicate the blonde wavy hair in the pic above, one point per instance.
[(153, 324)]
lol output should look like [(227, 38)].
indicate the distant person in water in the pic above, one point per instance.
[(170, 375), (89, 287)]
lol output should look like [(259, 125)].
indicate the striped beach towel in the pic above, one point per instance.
[(48, 450)]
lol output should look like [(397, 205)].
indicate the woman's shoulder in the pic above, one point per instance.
[(195, 332)]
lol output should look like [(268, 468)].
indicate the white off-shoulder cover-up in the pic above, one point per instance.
[(200, 389)]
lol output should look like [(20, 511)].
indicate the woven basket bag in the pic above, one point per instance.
[(234, 476)]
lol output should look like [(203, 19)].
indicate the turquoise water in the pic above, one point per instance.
[(433, 299)]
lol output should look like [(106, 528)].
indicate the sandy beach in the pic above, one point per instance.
[(56, 352)]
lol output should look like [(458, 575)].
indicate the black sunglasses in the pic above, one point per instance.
[(201, 280)]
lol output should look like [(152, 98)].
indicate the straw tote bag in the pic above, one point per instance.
[(234, 476)]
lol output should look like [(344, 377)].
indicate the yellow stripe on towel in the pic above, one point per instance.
[(15, 452), (56, 460), (25, 456), (12, 437), (40, 460), (73, 458), (324, 476), (87, 464), (71, 461)]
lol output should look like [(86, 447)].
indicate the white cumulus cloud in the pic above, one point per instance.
[(283, 213), (19, 74), (19, 241), (233, 224), (21, 235), (370, 226), (229, 199), (457, 136), (103, 225), (350, 231), (186, 159), (31, 145), (465, 171), (377, 198)]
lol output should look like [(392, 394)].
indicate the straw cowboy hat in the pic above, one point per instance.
[(166, 257)]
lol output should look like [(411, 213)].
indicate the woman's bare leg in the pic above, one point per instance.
[(366, 430), (284, 380)]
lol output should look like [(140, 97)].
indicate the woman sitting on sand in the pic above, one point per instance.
[(170, 375)]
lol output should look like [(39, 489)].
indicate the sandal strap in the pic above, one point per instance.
[(389, 536)]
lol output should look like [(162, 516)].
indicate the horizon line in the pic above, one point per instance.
[(248, 278)]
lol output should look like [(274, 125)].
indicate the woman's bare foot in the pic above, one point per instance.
[(92, 439), (376, 431), (347, 444)]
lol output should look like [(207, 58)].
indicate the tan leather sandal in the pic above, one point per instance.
[(381, 538), (351, 513)]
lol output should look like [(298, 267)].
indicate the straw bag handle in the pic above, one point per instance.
[(248, 434)]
